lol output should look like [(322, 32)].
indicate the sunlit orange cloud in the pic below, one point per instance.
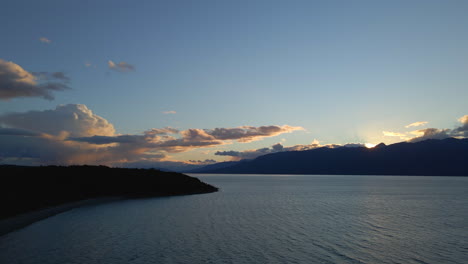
[(73, 134), (463, 119), (415, 124), (393, 134)]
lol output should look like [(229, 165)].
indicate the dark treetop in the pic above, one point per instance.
[(23, 189), (447, 157)]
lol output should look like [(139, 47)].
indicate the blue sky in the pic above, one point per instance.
[(344, 71)]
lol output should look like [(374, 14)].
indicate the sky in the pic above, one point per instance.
[(147, 83)]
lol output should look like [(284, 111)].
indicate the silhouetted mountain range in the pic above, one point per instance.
[(447, 157), (24, 189), (216, 166)]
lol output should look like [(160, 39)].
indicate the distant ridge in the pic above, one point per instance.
[(447, 157), (216, 166)]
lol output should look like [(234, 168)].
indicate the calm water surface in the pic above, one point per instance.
[(263, 219)]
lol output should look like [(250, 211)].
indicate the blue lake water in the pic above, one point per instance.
[(263, 219)]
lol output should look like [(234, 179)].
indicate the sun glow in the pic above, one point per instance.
[(369, 145)]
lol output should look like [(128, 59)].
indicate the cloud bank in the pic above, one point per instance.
[(73, 134), (16, 82), (76, 120)]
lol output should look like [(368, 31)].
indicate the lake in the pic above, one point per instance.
[(263, 219)]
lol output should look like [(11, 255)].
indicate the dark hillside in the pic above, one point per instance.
[(25, 189), (448, 157)]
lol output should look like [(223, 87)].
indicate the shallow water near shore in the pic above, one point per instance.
[(263, 219)]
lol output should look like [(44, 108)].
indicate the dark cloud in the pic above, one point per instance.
[(430, 133), (354, 145), (202, 162), (50, 76), (17, 82), (277, 147), (18, 132), (231, 153), (461, 131), (250, 133), (251, 154), (102, 140)]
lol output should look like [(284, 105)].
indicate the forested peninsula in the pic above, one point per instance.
[(25, 189)]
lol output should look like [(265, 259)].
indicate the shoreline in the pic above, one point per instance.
[(11, 224)]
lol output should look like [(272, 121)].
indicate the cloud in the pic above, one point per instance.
[(17, 82), (415, 124), (393, 134), (121, 66), (403, 136), (5, 131), (430, 133), (50, 76), (158, 140), (169, 112), (45, 40), (461, 131), (73, 134), (74, 119), (246, 154), (202, 162), (249, 133), (161, 131), (354, 145), (435, 133), (103, 140)]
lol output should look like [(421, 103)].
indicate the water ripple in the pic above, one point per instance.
[(290, 219)]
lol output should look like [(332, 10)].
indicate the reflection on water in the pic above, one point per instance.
[(263, 219)]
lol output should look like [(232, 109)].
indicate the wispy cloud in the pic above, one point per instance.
[(394, 134), (17, 82), (121, 66), (415, 124), (161, 131), (171, 112), (45, 40), (436, 133), (250, 133), (50, 76)]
